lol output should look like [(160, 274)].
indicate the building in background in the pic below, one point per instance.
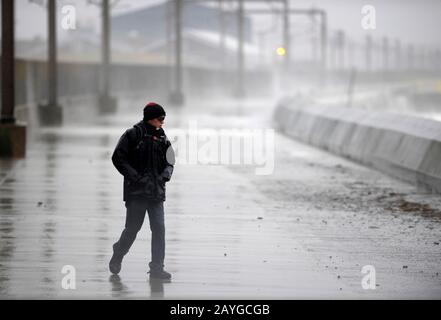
[(151, 31)]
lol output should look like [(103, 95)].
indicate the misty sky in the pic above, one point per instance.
[(410, 20)]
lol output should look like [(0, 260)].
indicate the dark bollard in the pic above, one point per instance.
[(12, 140), (12, 135), (107, 105), (49, 115)]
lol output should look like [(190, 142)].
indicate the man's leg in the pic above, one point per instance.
[(135, 215), (157, 226)]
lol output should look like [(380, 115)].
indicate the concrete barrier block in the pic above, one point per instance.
[(411, 151), (431, 163), (404, 146), (343, 134)]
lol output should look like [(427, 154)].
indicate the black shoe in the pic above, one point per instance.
[(160, 274), (115, 262)]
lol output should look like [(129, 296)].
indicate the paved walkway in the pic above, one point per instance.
[(303, 232)]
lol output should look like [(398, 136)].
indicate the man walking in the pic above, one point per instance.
[(145, 157)]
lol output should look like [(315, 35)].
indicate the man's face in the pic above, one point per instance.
[(157, 122)]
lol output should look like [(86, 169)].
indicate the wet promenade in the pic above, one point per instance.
[(304, 231)]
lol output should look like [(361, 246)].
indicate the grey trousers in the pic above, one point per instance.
[(136, 210)]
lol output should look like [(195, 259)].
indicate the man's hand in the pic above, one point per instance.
[(165, 177)]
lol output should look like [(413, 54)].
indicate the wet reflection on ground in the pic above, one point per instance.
[(119, 290), (157, 288), (230, 234)]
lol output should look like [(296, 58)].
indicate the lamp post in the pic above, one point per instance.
[(51, 114), (176, 96), (12, 135), (107, 103)]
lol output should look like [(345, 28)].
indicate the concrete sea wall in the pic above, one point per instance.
[(406, 147)]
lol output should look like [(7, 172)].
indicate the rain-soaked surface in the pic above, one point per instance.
[(304, 231)]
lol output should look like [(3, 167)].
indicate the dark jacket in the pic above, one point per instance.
[(145, 157)]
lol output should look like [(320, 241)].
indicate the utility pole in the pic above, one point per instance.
[(286, 35), (50, 114), (240, 54), (53, 70), (8, 56), (261, 41), (107, 104), (223, 74), (422, 58), (12, 135), (324, 39), (169, 48), (385, 53), (286, 12), (350, 50), (397, 54), (323, 46), (368, 51), (105, 50), (351, 85), (340, 39), (314, 53), (410, 57), (177, 97), (222, 26)]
